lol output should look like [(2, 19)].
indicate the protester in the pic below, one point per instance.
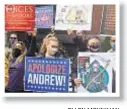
[(112, 50), (16, 69), (94, 44), (112, 43), (12, 38), (80, 39), (51, 47)]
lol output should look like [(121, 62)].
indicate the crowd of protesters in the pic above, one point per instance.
[(50, 47)]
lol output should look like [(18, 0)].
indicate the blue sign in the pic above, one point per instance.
[(44, 17), (46, 74)]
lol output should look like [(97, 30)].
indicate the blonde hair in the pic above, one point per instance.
[(49, 37), (6, 71), (6, 53), (23, 49)]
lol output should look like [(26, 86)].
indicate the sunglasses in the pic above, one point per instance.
[(12, 37)]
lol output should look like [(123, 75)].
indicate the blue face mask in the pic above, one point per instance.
[(113, 45)]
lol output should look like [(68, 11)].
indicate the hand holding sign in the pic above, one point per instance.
[(77, 82)]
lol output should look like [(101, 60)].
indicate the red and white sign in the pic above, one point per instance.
[(19, 17)]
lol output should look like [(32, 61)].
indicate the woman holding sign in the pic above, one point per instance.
[(51, 47)]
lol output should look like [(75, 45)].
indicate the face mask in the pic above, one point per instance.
[(113, 45), (95, 69), (54, 51), (87, 66), (79, 33), (16, 52), (94, 48), (12, 41)]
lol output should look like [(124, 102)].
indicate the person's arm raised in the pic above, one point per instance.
[(32, 48)]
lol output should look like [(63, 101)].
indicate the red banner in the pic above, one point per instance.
[(19, 17)]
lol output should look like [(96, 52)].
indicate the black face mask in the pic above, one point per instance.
[(94, 48), (16, 52)]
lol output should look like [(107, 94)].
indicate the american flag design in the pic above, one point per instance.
[(47, 75)]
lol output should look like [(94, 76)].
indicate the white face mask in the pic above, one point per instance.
[(54, 51), (87, 66)]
